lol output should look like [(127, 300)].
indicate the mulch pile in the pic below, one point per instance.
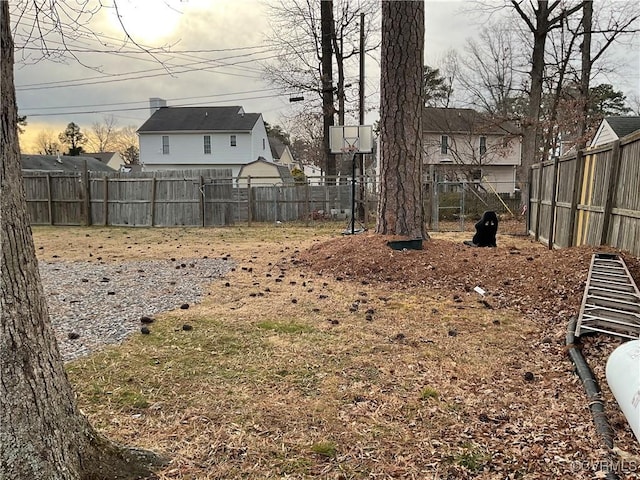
[(547, 284)]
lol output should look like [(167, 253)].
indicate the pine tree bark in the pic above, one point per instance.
[(401, 206), (42, 433), (585, 74), (328, 108)]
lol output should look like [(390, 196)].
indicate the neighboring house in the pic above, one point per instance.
[(111, 159), (614, 128), (62, 163), (282, 154), (462, 144), (202, 137), (264, 173), (314, 174)]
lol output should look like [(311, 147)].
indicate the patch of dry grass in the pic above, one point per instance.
[(290, 374)]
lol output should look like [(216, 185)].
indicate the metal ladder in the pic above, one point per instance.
[(611, 301)]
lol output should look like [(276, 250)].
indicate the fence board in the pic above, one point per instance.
[(597, 201), (564, 203)]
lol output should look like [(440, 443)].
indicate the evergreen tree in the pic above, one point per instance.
[(74, 139)]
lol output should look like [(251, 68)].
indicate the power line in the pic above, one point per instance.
[(146, 101), (218, 63), (86, 112), (179, 70)]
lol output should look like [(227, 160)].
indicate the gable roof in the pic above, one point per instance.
[(277, 147), (283, 170), (464, 120), (104, 157), (66, 163), (199, 119), (623, 126)]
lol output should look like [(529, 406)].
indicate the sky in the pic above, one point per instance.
[(217, 47)]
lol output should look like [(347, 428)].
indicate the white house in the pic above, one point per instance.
[(614, 128), (462, 144), (202, 137), (314, 174), (281, 153)]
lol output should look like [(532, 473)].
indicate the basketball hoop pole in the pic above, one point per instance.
[(353, 139)]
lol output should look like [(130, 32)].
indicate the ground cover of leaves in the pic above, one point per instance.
[(330, 356)]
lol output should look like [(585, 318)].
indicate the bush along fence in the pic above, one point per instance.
[(589, 198), (207, 197)]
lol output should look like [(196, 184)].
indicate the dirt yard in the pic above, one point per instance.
[(330, 356)]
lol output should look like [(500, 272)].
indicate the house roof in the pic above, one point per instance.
[(277, 147), (199, 119), (67, 163), (464, 120), (623, 126), (283, 170), (104, 157)]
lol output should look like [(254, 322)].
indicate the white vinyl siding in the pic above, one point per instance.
[(188, 150)]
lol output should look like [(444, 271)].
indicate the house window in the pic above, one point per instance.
[(233, 140), (264, 144), (483, 145), (444, 144), (207, 144), (165, 144), (476, 174)]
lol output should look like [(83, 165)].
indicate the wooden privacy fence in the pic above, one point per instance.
[(589, 198), (208, 197)]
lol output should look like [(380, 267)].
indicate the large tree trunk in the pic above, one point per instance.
[(401, 208), (585, 74), (328, 109), (539, 24), (531, 124), (42, 433)]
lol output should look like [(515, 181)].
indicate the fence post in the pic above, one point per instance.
[(153, 199), (614, 175), (527, 222), (577, 192), (554, 187), (202, 199), (105, 180), (49, 199), (249, 201), (307, 202), (365, 200), (87, 194), (327, 204), (539, 200), (435, 202)]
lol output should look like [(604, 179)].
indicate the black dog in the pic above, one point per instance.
[(486, 230)]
